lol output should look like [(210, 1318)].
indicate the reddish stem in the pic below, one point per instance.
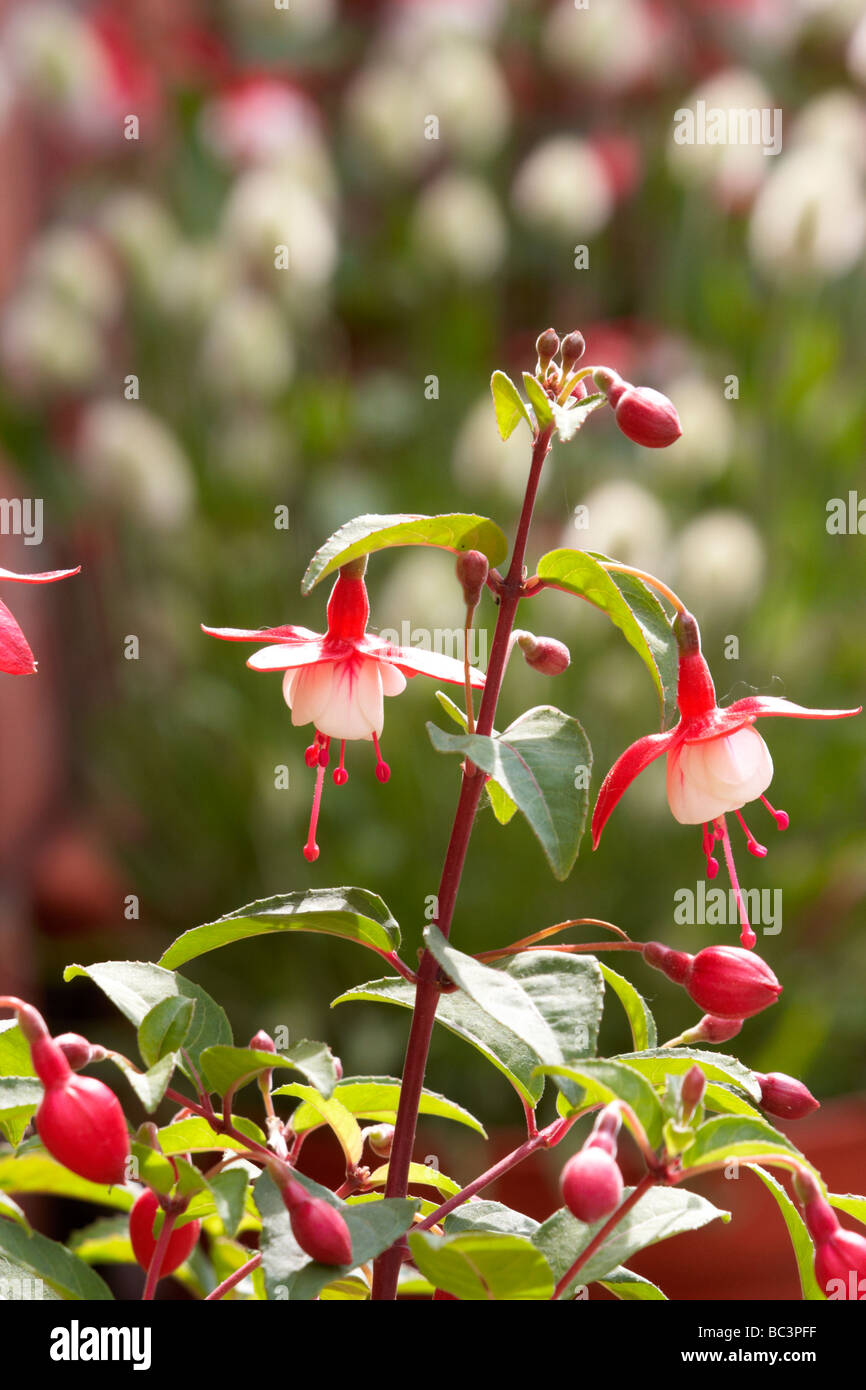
[(228, 1284), (387, 1267), (157, 1259)]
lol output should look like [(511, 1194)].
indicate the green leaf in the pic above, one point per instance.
[(455, 531), (20, 1286), (351, 1289), (501, 804), (135, 986), (640, 1019), (732, 1136), (289, 1272), (801, 1241), (608, 1080), (149, 1086), (153, 1168), (661, 1212), (490, 1216), (229, 1190), (539, 400), (49, 1260), (498, 994), (35, 1171), (19, 1098), (630, 607), (508, 404), (657, 1064), (568, 992), (377, 1098), (728, 1102), (164, 1028), (225, 1066), (194, 1135), (351, 913), (460, 1015), (848, 1202), (535, 761), (481, 1265), (570, 418), (631, 1287), (420, 1175), (12, 1210), (332, 1113), (103, 1242), (14, 1050)]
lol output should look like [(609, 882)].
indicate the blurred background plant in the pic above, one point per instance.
[(284, 284)]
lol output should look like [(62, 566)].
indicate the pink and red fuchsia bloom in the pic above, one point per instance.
[(716, 760), (336, 681), (16, 658)]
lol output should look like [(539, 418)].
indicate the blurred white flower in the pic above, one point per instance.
[(133, 461), (809, 220), (466, 91), (56, 60), (856, 52), (703, 450), (612, 44), (265, 120), (49, 344), (195, 279), (457, 227), (269, 209), (720, 563), (562, 188), (142, 233), (733, 171), (385, 112), (483, 461), (624, 521), (297, 19), (250, 446), (74, 265), (247, 352), (412, 28), (836, 121)]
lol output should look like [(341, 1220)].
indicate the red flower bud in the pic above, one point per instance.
[(544, 654), (714, 1030), (77, 1050), (727, 981), (591, 1184), (318, 1227), (573, 348), (472, 569), (181, 1243), (605, 1130), (647, 417), (785, 1096), (262, 1042), (692, 1090), (547, 346), (840, 1266), (79, 1119)]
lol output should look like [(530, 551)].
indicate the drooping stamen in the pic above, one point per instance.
[(759, 851), (311, 849), (708, 844), (747, 936), (311, 754), (340, 774), (324, 751), (782, 819), (383, 771)]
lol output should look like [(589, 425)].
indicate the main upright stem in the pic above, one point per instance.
[(387, 1267)]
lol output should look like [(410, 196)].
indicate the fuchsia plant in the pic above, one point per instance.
[(220, 1199)]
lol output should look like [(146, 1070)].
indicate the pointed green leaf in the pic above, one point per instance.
[(501, 804), (661, 1212), (12, 1210), (490, 1216), (104, 1242), (332, 1113), (454, 531), (728, 1102), (376, 1098), (610, 1080), (19, 1098), (632, 1288), (568, 992), (164, 1028), (229, 1190), (508, 404), (658, 1063), (195, 1135), (460, 1015), (483, 1266), (14, 1050), (629, 605), (134, 987), (226, 1066), (640, 1019), (149, 1086), (539, 400), (847, 1201), (730, 1136), (570, 418), (801, 1241), (420, 1175), (49, 1260), (35, 1171), (351, 913), (536, 761)]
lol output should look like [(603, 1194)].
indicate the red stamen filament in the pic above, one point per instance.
[(383, 771), (311, 849), (782, 819), (340, 774), (747, 936), (324, 751), (707, 844), (752, 845)]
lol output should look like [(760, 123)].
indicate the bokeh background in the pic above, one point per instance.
[(732, 280)]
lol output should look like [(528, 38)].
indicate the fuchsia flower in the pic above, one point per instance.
[(717, 761), (16, 658), (336, 680)]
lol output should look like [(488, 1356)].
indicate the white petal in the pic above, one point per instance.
[(393, 681), (311, 692), (354, 709), (706, 779)]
